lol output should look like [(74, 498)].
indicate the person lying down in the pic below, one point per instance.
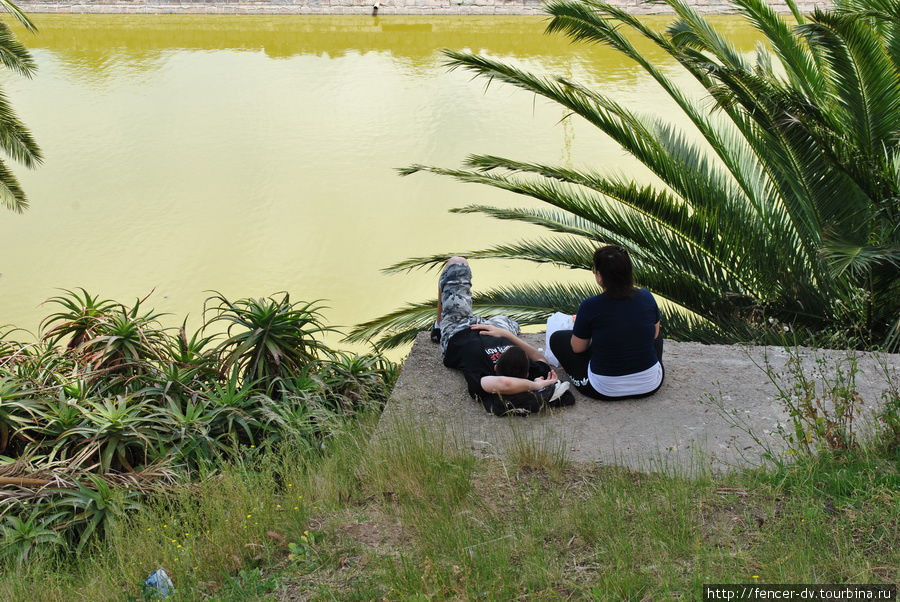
[(506, 374)]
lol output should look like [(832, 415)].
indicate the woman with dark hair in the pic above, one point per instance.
[(614, 350)]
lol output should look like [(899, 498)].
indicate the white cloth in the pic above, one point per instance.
[(556, 321), (628, 384)]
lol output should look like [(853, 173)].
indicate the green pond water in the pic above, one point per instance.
[(250, 155)]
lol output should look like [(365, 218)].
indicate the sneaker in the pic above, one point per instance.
[(566, 399), (558, 391)]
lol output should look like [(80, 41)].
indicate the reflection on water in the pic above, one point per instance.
[(250, 155)]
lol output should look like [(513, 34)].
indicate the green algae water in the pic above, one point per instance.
[(250, 155)]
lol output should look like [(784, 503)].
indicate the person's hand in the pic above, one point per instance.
[(490, 330), (546, 381)]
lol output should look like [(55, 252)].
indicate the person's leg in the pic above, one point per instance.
[(575, 364), (440, 304), (455, 301), (504, 322)]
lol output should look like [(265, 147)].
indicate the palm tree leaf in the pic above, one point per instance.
[(557, 221), (634, 221), (526, 304), (16, 12), (14, 55), (695, 32), (11, 194), (866, 81), (15, 139), (799, 61)]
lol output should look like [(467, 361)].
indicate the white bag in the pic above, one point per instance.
[(557, 321)]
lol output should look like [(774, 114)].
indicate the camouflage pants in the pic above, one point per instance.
[(456, 303)]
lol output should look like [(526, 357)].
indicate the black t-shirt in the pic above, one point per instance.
[(474, 355), (621, 332)]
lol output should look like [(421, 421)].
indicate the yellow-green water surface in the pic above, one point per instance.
[(250, 155)]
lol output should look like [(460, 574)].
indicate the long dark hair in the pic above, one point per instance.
[(614, 266)]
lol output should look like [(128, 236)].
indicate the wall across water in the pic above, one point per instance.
[(357, 7)]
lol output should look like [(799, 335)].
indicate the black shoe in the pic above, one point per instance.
[(435, 335)]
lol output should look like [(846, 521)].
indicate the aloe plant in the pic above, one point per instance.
[(17, 411), (91, 508), (270, 338), (238, 404), (190, 427), (54, 419), (20, 537), (114, 426), (80, 317), (126, 341)]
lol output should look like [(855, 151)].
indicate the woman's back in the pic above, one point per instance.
[(622, 332)]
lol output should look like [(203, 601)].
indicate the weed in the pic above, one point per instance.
[(529, 449), (824, 408), (247, 584), (823, 404), (889, 415)]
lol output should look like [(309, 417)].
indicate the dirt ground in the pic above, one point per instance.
[(688, 426)]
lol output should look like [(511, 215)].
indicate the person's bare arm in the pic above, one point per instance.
[(580, 345), (495, 331), (510, 385), (656, 334)]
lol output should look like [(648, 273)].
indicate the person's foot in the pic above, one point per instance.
[(436, 333), (559, 389), (566, 399)]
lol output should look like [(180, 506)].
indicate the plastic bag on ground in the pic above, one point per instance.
[(556, 321), (159, 584)]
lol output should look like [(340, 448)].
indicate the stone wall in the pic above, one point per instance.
[(360, 7)]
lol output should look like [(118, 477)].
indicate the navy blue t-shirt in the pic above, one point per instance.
[(621, 332)]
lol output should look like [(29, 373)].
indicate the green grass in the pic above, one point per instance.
[(411, 516)]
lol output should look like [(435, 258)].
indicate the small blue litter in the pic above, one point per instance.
[(159, 584)]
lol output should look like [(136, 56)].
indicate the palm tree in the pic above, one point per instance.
[(15, 139), (780, 207)]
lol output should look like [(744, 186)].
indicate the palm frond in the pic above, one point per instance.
[(527, 304), (11, 194), (866, 81), (693, 31), (556, 221), (15, 139), (16, 12), (14, 55), (562, 252), (799, 61)]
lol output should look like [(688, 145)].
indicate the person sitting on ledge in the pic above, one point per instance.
[(505, 373), (614, 350)]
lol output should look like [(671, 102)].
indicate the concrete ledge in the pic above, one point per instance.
[(678, 429)]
